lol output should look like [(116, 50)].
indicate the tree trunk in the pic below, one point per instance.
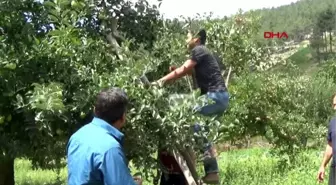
[(318, 51), (112, 37), (228, 77), (326, 41), (330, 40), (111, 32), (7, 172)]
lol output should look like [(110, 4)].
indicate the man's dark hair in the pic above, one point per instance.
[(111, 104), (202, 36)]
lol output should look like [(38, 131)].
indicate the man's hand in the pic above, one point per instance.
[(138, 180), (157, 83), (320, 174)]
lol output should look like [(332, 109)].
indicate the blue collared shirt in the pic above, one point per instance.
[(95, 156)]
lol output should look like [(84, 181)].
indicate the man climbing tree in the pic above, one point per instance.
[(211, 83)]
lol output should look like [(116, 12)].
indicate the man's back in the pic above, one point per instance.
[(95, 156), (207, 70)]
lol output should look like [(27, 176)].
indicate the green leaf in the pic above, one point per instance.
[(10, 66), (49, 4)]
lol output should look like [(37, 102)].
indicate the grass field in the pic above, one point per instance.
[(241, 167)]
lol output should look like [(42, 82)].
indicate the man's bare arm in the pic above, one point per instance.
[(327, 155), (186, 68)]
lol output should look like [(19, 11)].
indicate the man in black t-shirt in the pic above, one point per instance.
[(211, 83), (330, 149)]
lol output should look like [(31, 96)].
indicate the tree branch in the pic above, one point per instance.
[(228, 77), (111, 37)]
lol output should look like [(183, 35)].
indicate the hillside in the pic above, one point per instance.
[(297, 19)]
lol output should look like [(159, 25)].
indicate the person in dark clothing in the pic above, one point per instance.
[(171, 171), (330, 149), (212, 86)]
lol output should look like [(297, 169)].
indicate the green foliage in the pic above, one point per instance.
[(252, 166), (54, 58), (232, 39), (328, 70), (287, 110), (322, 37), (296, 19), (48, 82), (303, 55)]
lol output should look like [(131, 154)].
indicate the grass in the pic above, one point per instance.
[(303, 58), (240, 167), (26, 175)]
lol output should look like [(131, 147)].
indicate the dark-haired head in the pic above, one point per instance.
[(111, 106), (195, 38), (202, 36)]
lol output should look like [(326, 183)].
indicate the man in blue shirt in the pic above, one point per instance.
[(330, 149), (94, 153)]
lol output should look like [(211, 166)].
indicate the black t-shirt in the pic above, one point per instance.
[(219, 61), (207, 71), (332, 138)]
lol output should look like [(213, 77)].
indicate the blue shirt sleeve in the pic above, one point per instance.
[(329, 134), (331, 130), (114, 168)]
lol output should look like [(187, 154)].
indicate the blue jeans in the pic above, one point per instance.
[(221, 101)]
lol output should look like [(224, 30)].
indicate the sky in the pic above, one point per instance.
[(189, 8)]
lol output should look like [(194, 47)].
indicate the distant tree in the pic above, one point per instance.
[(297, 19)]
